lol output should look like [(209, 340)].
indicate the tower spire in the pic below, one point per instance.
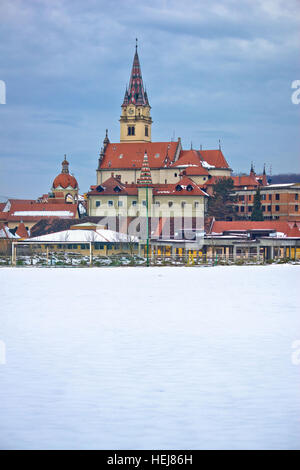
[(136, 88), (135, 120), (145, 177)]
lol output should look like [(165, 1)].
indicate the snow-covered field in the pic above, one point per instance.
[(157, 358)]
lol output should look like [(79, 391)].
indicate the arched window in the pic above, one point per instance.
[(130, 130)]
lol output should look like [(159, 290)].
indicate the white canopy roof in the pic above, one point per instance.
[(83, 236)]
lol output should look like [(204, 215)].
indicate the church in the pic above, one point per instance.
[(174, 176)]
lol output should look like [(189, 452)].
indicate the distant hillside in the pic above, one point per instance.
[(285, 178)]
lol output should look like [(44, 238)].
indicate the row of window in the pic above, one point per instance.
[(144, 203), (86, 246), (264, 208), (264, 197), (131, 130)]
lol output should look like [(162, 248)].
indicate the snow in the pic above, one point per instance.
[(100, 235), (278, 235), (187, 166), (281, 185), (5, 233), (44, 213), (207, 165), (155, 358)]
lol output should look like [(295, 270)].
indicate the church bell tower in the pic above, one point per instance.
[(135, 120)]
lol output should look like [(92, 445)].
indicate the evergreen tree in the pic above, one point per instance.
[(220, 204), (257, 213)]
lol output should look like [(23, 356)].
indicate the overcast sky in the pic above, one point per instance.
[(213, 70)]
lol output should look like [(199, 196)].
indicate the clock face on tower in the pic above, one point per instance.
[(130, 111)]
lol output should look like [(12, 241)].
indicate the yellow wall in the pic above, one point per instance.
[(160, 175), (139, 117), (162, 209)]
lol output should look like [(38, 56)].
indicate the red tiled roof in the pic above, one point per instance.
[(214, 157), (2, 205), (290, 229), (196, 171), (65, 180), (245, 181), (109, 186), (170, 189), (131, 154), (214, 179), (21, 231), (188, 157), (158, 189), (20, 201), (160, 154), (25, 210)]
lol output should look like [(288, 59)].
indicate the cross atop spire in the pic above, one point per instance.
[(135, 93)]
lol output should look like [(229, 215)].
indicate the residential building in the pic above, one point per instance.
[(278, 202), (145, 198)]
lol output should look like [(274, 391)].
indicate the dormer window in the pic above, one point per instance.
[(99, 188), (117, 189), (189, 187), (178, 187)]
